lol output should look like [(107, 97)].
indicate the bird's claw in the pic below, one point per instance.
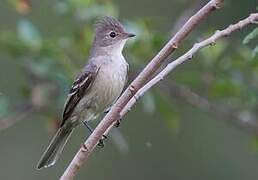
[(118, 123), (101, 141)]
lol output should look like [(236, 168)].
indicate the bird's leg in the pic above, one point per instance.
[(118, 121), (101, 141), (85, 123)]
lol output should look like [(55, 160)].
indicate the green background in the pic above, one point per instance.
[(162, 137)]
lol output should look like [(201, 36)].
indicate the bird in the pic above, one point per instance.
[(97, 86)]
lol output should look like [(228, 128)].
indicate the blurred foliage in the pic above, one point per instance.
[(49, 56), (252, 36), (3, 105), (58, 58), (168, 112), (53, 61)]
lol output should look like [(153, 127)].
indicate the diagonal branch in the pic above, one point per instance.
[(84, 152), (252, 19)]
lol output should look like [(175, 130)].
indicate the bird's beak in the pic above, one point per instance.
[(129, 35)]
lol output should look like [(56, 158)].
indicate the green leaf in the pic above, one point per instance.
[(251, 36), (29, 34)]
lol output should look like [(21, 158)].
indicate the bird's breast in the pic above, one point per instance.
[(109, 82)]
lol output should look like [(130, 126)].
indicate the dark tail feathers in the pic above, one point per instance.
[(55, 148)]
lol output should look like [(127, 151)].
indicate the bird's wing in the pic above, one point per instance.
[(80, 86)]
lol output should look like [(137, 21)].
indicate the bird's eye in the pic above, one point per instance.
[(112, 34)]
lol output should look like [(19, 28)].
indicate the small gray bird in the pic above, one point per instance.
[(98, 85)]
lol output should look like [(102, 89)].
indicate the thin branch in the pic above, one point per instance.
[(252, 19), (186, 14), (84, 152), (240, 119)]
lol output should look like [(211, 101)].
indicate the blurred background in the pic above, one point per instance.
[(199, 123)]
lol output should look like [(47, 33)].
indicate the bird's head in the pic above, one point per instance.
[(110, 32)]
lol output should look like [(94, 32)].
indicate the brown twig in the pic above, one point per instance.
[(252, 19), (185, 15), (84, 152)]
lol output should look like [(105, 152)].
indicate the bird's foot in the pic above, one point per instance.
[(118, 123), (101, 141)]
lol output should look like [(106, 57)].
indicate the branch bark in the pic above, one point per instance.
[(252, 19), (85, 150)]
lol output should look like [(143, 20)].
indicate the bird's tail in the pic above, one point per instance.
[(55, 148)]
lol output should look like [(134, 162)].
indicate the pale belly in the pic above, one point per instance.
[(107, 87)]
